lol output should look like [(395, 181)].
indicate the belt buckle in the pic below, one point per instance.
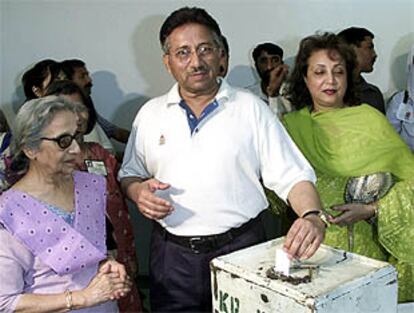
[(194, 244)]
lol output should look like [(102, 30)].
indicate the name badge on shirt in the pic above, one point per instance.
[(405, 113), (96, 167)]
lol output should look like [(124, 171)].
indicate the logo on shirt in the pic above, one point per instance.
[(162, 140)]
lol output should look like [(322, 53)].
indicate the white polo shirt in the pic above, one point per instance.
[(215, 172)]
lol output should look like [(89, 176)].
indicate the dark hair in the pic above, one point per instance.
[(35, 76), (268, 47), (68, 87), (185, 16), (69, 66), (297, 92), (355, 35), (225, 44)]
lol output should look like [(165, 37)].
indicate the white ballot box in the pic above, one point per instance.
[(332, 281)]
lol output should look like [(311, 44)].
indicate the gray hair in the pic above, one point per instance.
[(33, 117)]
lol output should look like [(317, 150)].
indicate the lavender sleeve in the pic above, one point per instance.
[(14, 257)]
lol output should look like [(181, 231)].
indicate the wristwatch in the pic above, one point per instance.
[(321, 214)]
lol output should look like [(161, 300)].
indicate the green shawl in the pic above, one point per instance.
[(352, 141), (356, 141)]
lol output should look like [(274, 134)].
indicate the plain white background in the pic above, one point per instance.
[(118, 40)]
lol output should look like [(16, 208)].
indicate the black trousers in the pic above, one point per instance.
[(180, 278)]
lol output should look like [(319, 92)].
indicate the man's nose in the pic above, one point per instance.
[(195, 59), (270, 64)]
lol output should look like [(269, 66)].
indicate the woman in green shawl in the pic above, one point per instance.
[(343, 138)]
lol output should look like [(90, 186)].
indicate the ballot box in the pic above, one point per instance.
[(332, 281)]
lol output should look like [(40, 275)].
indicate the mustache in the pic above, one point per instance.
[(89, 85), (199, 70)]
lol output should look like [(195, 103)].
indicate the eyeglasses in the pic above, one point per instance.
[(65, 140), (203, 51)]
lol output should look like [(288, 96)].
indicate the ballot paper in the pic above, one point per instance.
[(282, 262)]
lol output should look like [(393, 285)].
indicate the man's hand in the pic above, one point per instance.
[(277, 76), (352, 213), (304, 237), (151, 206)]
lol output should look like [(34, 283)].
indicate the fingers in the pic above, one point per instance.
[(154, 208), (304, 245), (351, 213), (304, 238), (292, 238), (340, 208), (312, 248), (150, 205), (162, 186), (105, 268), (121, 271)]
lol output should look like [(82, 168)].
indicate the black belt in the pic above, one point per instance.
[(206, 244)]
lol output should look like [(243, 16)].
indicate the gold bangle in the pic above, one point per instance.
[(69, 300)]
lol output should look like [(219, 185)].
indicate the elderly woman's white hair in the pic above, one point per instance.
[(33, 117)]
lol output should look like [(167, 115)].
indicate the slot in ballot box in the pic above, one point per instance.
[(332, 281)]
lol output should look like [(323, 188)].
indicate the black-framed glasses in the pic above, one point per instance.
[(65, 140)]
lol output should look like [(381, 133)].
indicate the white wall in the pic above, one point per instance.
[(118, 40)]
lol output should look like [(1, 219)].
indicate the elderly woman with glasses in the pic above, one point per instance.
[(52, 221), (94, 158)]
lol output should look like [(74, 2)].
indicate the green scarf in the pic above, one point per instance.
[(351, 141)]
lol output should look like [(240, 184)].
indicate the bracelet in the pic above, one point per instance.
[(317, 212), (69, 300), (373, 219)]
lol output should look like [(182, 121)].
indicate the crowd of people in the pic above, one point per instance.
[(203, 162)]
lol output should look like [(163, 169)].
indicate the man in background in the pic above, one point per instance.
[(76, 71), (362, 42), (268, 61)]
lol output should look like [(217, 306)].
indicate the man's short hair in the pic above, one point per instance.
[(355, 35), (268, 47), (69, 66), (225, 44), (187, 15)]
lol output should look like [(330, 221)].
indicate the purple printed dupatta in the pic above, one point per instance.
[(64, 248)]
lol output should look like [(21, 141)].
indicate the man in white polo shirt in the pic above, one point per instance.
[(194, 164)]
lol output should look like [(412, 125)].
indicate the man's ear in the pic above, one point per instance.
[(166, 61)]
